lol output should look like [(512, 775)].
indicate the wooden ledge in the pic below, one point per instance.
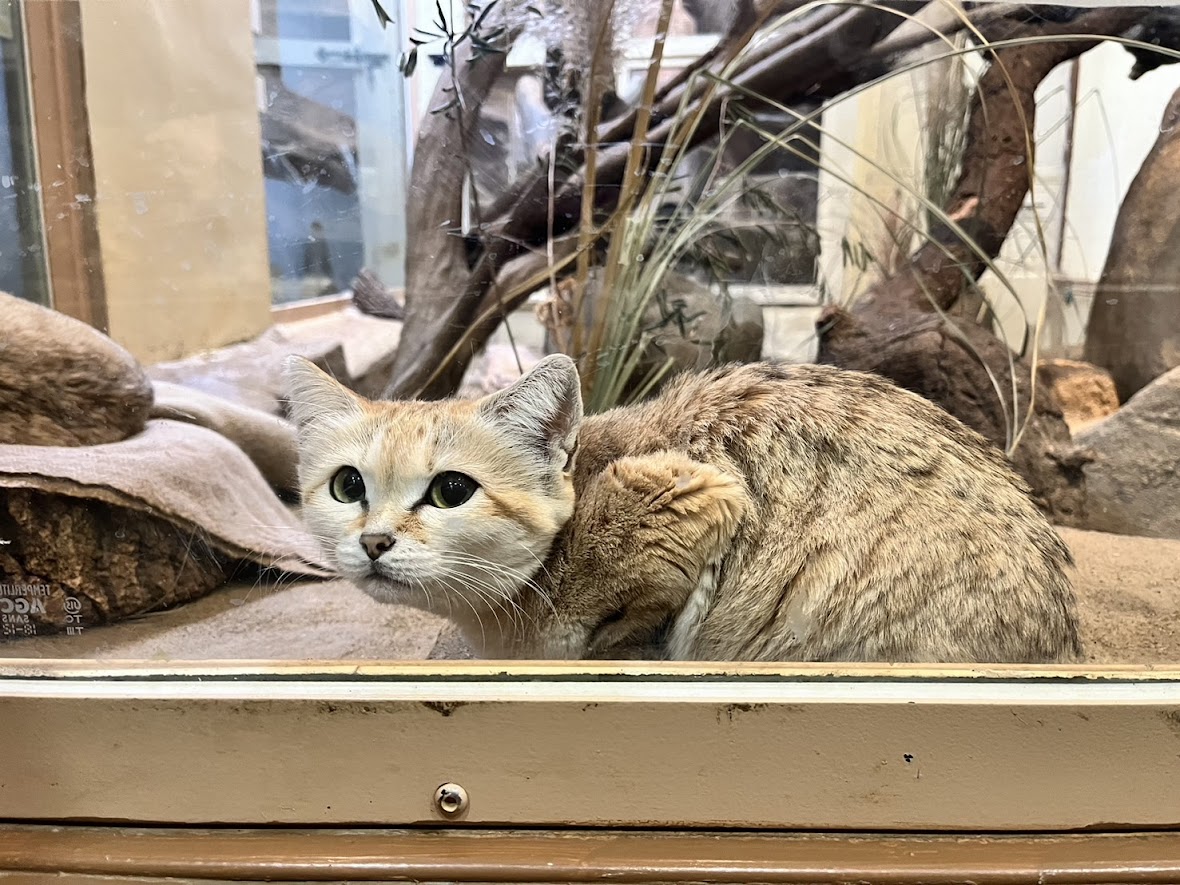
[(581, 856), (584, 671)]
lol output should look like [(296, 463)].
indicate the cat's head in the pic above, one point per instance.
[(450, 506)]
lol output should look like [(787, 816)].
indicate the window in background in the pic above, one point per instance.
[(333, 119), (22, 247)]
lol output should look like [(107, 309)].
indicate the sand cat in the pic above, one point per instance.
[(754, 512)]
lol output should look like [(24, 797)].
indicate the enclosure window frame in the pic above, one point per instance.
[(127, 855), (821, 747), (57, 90)]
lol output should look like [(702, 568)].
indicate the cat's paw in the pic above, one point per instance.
[(676, 501)]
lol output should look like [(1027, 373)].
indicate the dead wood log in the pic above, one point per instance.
[(896, 330), (437, 270), (1134, 326), (371, 296)]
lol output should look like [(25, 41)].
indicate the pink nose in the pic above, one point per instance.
[(376, 544)]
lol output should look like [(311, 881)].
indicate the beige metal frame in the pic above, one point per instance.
[(97, 856), (1002, 749)]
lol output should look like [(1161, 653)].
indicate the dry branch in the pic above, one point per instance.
[(437, 271), (452, 312), (896, 330)]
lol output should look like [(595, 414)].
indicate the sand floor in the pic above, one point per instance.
[(1128, 589)]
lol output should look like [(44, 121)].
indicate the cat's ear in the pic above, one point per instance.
[(542, 409), (313, 396)]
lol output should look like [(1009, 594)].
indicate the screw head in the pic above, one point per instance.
[(451, 800)]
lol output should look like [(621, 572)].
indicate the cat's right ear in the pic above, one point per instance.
[(313, 396), (542, 409)]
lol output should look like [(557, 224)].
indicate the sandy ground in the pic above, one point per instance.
[(1128, 589), (1128, 597)]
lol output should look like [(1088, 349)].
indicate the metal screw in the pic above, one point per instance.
[(451, 799)]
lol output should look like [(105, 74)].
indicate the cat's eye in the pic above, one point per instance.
[(347, 486), (450, 489)]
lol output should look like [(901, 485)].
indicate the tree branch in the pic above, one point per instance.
[(998, 165), (826, 50), (436, 254)]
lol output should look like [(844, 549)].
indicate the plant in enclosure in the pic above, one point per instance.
[(606, 216)]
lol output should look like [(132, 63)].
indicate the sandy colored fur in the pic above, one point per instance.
[(753, 512)]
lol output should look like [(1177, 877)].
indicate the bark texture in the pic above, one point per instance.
[(455, 299), (1134, 325), (896, 330)]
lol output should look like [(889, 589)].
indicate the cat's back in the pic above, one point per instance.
[(871, 507), (747, 411)]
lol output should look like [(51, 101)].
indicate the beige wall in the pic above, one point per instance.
[(181, 207), (886, 171), (1118, 121)]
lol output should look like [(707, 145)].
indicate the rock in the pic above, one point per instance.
[(714, 330), (494, 369), (1133, 481), (1085, 392), (139, 526), (113, 563), (63, 383), (268, 440), (451, 645), (250, 373)]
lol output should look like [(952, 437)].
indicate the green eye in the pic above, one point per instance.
[(451, 489), (347, 486)]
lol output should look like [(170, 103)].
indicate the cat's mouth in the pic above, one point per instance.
[(383, 587)]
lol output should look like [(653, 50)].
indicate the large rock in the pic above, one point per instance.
[(1133, 481), (268, 440), (697, 329), (112, 563), (96, 534), (1085, 392), (498, 366), (250, 373), (63, 383), (354, 348)]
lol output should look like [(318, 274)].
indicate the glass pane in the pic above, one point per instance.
[(334, 146), (315, 20), (870, 322), (316, 242), (22, 255)]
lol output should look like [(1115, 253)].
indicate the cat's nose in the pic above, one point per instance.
[(376, 543)]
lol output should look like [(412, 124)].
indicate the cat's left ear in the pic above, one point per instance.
[(313, 396), (543, 409)]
